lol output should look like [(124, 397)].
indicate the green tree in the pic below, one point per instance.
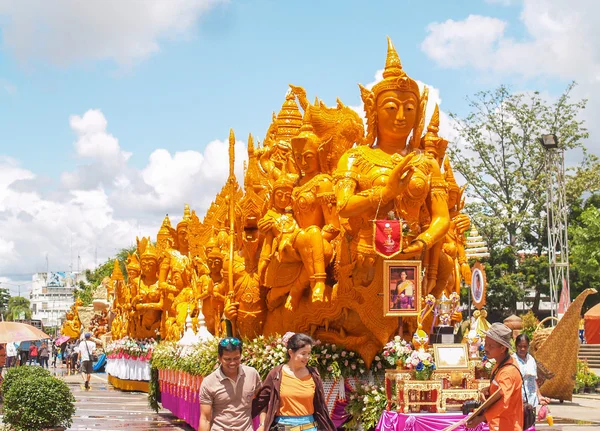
[(18, 307), (503, 163), (85, 291), (4, 297), (584, 235)]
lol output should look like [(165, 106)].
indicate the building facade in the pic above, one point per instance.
[(51, 295)]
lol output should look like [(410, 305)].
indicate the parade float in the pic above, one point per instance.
[(352, 234)]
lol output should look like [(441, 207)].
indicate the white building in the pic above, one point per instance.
[(51, 295)]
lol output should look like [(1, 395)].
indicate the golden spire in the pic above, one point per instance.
[(434, 123), (307, 132), (231, 153), (394, 77), (187, 215), (117, 274), (289, 119), (393, 67), (165, 228)]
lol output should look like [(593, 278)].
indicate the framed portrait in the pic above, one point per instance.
[(402, 287), (478, 285), (451, 356)]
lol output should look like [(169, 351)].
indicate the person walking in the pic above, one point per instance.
[(33, 354), (11, 355), (226, 394), (85, 350), (528, 368), (54, 354), (292, 395), (44, 354), (68, 354), (24, 352), (506, 413)]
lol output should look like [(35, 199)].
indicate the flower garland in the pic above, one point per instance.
[(129, 348)]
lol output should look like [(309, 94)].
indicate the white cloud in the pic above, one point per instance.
[(562, 41), (102, 212), (69, 31)]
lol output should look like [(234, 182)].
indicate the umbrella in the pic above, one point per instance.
[(11, 332), (62, 339)]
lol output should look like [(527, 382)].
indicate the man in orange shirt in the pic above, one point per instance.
[(507, 413)]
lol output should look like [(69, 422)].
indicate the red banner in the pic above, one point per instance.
[(387, 237)]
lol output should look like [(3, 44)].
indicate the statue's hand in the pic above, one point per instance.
[(414, 248), (265, 224), (462, 222), (231, 310), (399, 179)]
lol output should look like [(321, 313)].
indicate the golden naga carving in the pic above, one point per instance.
[(294, 250)]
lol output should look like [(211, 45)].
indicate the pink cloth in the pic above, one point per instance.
[(189, 410), (393, 421)]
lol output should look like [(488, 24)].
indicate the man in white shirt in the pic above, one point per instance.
[(85, 350), (11, 355)]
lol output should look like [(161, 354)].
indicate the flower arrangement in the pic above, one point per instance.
[(365, 406), (130, 348), (393, 355), (421, 362), (262, 353)]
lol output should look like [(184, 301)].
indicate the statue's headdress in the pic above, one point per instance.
[(307, 133), (117, 274), (133, 262), (215, 253), (287, 181), (187, 216), (289, 119), (149, 253), (449, 177), (394, 78)]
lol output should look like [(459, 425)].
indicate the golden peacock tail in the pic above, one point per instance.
[(558, 353)]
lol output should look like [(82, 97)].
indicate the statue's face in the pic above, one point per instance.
[(215, 264), (452, 198), (133, 273), (177, 278), (282, 198), (396, 114), (307, 159), (148, 266), (182, 236)]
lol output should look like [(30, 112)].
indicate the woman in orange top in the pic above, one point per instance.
[(292, 396), (507, 413)]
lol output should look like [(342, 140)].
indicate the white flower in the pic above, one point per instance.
[(374, 391), (365, 399), (377, 358), (377, 398)]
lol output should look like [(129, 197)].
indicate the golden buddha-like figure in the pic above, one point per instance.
[(72, 325), (213, 289), (182, 232), (185, 301), (148, 303), (387, 174), (121, 304)]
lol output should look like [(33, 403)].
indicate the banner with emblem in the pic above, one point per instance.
[(387, 237)]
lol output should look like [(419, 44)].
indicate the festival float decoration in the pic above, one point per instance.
[(306, 246)]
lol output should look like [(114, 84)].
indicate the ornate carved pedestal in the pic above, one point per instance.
[(457, 395), (421, 393)]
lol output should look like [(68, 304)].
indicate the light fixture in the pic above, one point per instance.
[(549, 142)]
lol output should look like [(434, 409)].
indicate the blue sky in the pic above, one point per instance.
[(165, 80)]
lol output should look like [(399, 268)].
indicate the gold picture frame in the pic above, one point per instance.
[(401, 288), (451, 356)]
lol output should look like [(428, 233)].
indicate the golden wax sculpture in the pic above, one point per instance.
[(293, 249), (72, 325)]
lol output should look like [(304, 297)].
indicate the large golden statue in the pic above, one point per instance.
[(293, 250), (72, 325)]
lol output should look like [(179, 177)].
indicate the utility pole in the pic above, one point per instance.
[(557, 212)]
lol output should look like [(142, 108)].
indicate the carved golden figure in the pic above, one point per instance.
[(149, 302), (72, 325), (212, 290)]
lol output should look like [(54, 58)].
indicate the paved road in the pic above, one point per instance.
[(105, 409)]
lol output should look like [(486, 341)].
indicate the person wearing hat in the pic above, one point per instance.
[(85, 350), (507, 412)]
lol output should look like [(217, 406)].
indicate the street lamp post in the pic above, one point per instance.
[(556, 213)]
